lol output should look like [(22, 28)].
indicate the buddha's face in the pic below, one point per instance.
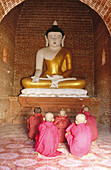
[(54, 39)]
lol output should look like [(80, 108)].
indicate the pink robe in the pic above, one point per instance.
[(80, 139), (91, 122), (33, 123), (62, 122), (47, 140)]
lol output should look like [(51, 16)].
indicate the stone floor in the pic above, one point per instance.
[(17, 152)]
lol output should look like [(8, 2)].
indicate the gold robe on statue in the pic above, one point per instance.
[(61, 64)]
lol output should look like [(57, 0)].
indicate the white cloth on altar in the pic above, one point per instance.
[(53, 92), (55, 79)]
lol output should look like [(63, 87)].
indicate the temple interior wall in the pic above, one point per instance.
[(76, 21), (102, 70), (22, 32), (7, 39)]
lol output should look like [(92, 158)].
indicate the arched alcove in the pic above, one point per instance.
[(22, 31), (76, 21)]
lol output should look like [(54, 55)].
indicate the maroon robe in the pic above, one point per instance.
[(91, 122), (33, 123), (47, 140), (79, 139), (62, 122), (80, 111)]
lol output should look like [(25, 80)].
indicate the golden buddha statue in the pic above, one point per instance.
[(53, 64)]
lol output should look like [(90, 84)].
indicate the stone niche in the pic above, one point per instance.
[(22, 107)]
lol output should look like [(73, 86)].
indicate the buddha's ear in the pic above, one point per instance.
[(63, 41), (46, 39)]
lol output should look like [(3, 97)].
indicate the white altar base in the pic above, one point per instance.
[(53, 92)]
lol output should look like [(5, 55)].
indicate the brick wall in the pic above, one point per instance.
[(103, 8), (35, 18), (7, 38), (102, 46)]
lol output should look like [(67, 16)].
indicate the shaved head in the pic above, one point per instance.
[(49, 117), (85, 109), (80, 118)]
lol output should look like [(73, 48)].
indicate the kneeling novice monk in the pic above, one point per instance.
[(62, 122), (79, 136), (91, 122), (47, 140), (33, 122)]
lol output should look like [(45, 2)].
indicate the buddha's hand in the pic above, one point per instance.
[(55, 77), (55, 80), (35, 79), (37, 75)]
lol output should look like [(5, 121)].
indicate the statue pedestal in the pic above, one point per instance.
[(72, 106), (53, 92)]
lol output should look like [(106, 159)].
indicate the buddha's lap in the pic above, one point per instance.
[(77, 84), (27, 83)]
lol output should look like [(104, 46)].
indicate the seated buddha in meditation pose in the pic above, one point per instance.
[(53, 64)]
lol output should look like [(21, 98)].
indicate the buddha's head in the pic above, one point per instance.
[(80, 118), (49, 117), (54, 36)]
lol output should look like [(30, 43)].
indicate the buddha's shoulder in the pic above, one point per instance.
[(42, 50)]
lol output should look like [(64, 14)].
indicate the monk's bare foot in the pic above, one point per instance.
[(38, 153), (94, 143), (30, 139), (71, 154), (88, 155)]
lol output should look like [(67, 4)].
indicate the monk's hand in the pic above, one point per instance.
[(67, 134), (83, 105)]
